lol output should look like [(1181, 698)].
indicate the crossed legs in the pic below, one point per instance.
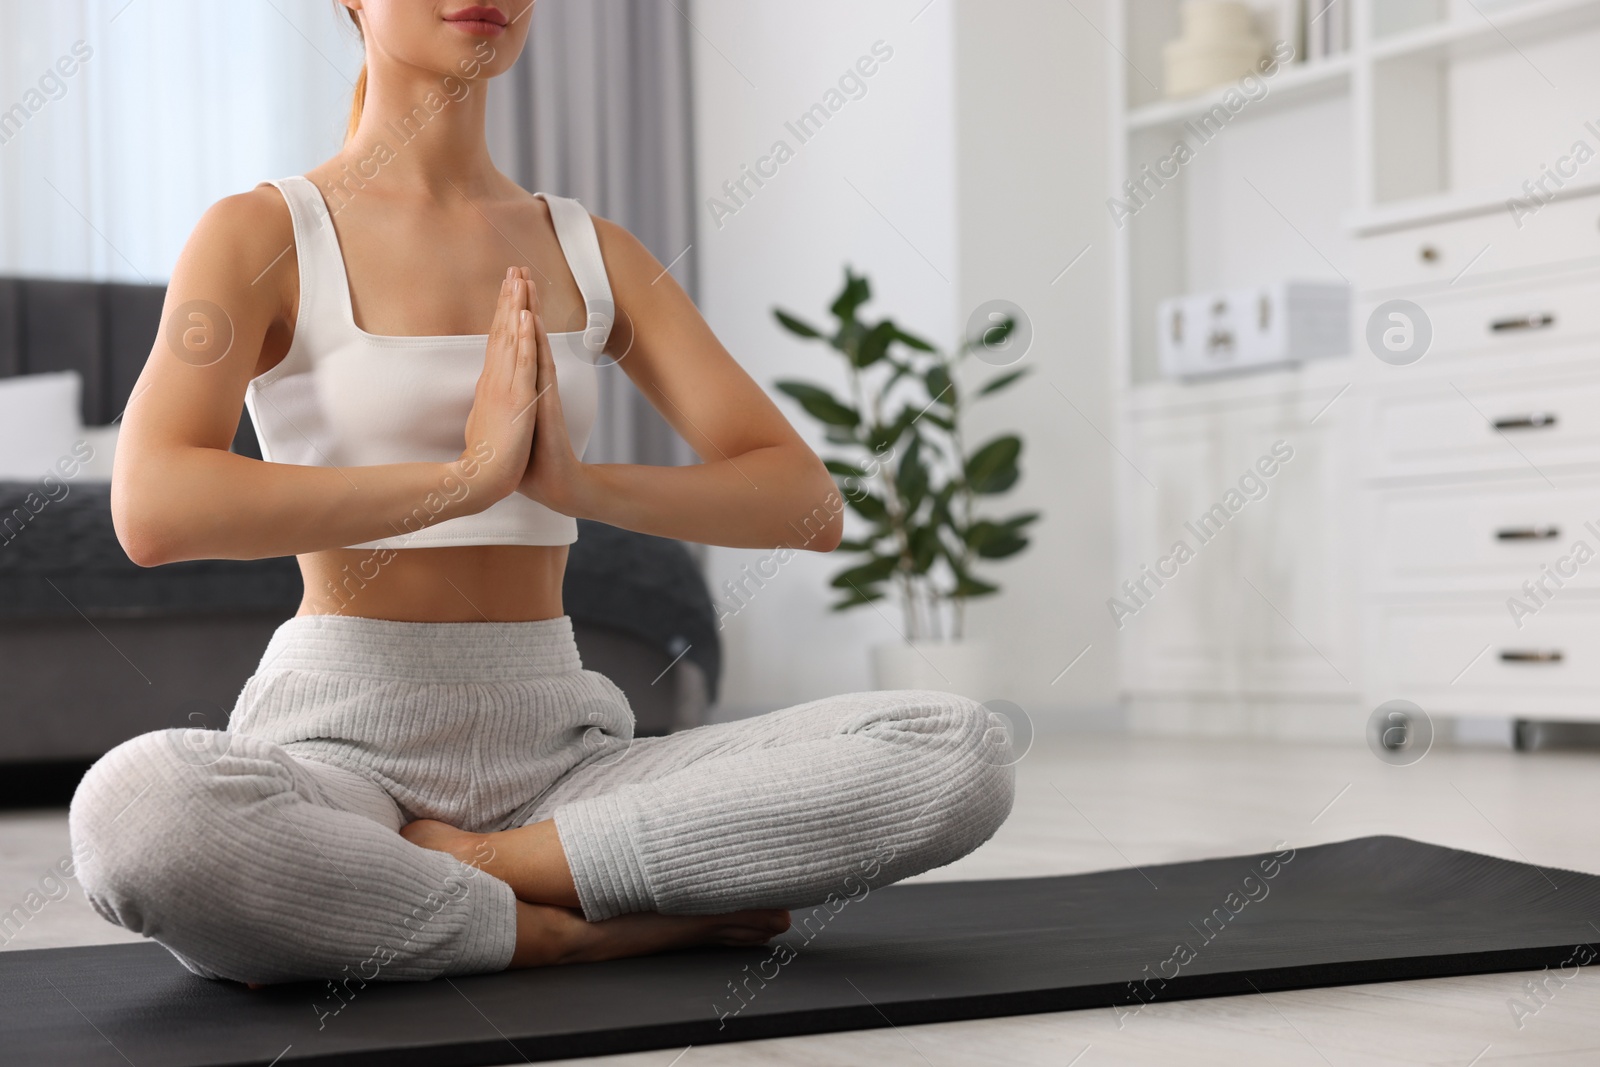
[(250, 864), (753, 817)]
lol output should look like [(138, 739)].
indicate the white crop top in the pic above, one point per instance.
[(343, 397)]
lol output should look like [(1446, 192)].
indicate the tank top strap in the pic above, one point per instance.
[(581, 245), (325, 307)]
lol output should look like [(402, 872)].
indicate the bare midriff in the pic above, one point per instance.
[(476, 583)]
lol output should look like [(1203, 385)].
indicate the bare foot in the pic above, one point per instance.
[(547, 936), (550, 935), (529, 859)]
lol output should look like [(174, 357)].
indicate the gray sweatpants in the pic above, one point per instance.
[(269, 852)]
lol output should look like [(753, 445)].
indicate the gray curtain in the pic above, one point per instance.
[(599, 108)]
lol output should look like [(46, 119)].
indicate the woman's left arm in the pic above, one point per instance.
[(759, 485)]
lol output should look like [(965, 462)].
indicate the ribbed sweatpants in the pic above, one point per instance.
[(270, 852)]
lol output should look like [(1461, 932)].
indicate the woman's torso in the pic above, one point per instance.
[(420, 268)]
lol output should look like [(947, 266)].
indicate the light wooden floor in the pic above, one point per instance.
[(1094, 802)]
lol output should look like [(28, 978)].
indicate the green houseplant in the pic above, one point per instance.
[(903, 466)]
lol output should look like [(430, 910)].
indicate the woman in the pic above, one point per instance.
[(421, 779)]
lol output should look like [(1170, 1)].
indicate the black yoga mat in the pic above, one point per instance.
[(1370, 910)]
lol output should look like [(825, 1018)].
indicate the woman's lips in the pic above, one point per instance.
[(481, 21), (477, 27)]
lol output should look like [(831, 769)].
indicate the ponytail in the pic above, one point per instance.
[(356, 103), (359, 99)]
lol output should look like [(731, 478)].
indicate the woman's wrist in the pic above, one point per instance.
[(587, 496), (575, 494), (465, 485)]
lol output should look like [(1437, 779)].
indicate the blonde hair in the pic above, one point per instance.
[(359, 99)]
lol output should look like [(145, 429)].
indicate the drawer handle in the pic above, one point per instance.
[(1540, 321), (1544, 420), (1532, 656), (1528, 533)]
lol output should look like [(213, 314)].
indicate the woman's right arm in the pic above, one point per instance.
[(177, 493)]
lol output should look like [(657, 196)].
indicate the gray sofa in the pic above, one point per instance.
[(94, 650)]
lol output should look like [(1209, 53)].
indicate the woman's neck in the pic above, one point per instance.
[(423, 131)]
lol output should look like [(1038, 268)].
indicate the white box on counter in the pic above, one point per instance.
[(1250, 329)]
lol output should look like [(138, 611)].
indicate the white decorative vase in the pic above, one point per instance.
[(1219, 45), (961, 667)]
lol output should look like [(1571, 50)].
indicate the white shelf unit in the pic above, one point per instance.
[(1296, 84), (1475, 29), (1437, 113), (1457, 114)]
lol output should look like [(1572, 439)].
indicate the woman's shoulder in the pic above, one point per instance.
[(249, 223), (626, 257), (243, 249)]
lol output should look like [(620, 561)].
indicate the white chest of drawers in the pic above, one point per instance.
[(1480, 467)]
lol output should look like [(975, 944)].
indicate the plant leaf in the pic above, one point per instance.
[(843, 469), (795, 326), (874, 570), (883, 438), (860, 546), (848, 340), (924, 544), (874, 344), (857, 291), (912, 341), (992, 540), (857, 597), (911, 478), (1001, 382), (939, 513), (940, 388), (821, 404), (968, 587), (994, 335), (1003, 549), (868, 506), (993, 468), (901, 370)]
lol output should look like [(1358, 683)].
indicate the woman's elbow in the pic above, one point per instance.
[(145, 543), (144, 532), (822, 526), (832, 533)]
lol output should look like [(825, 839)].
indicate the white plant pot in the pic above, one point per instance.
[(961, 667)]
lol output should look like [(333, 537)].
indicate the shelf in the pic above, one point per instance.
[(1489, 31), (1447, 207), (1294, 84)]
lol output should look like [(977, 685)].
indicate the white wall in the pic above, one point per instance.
[(1033, 146), (982, 148), (758, 66), (178, 104)]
